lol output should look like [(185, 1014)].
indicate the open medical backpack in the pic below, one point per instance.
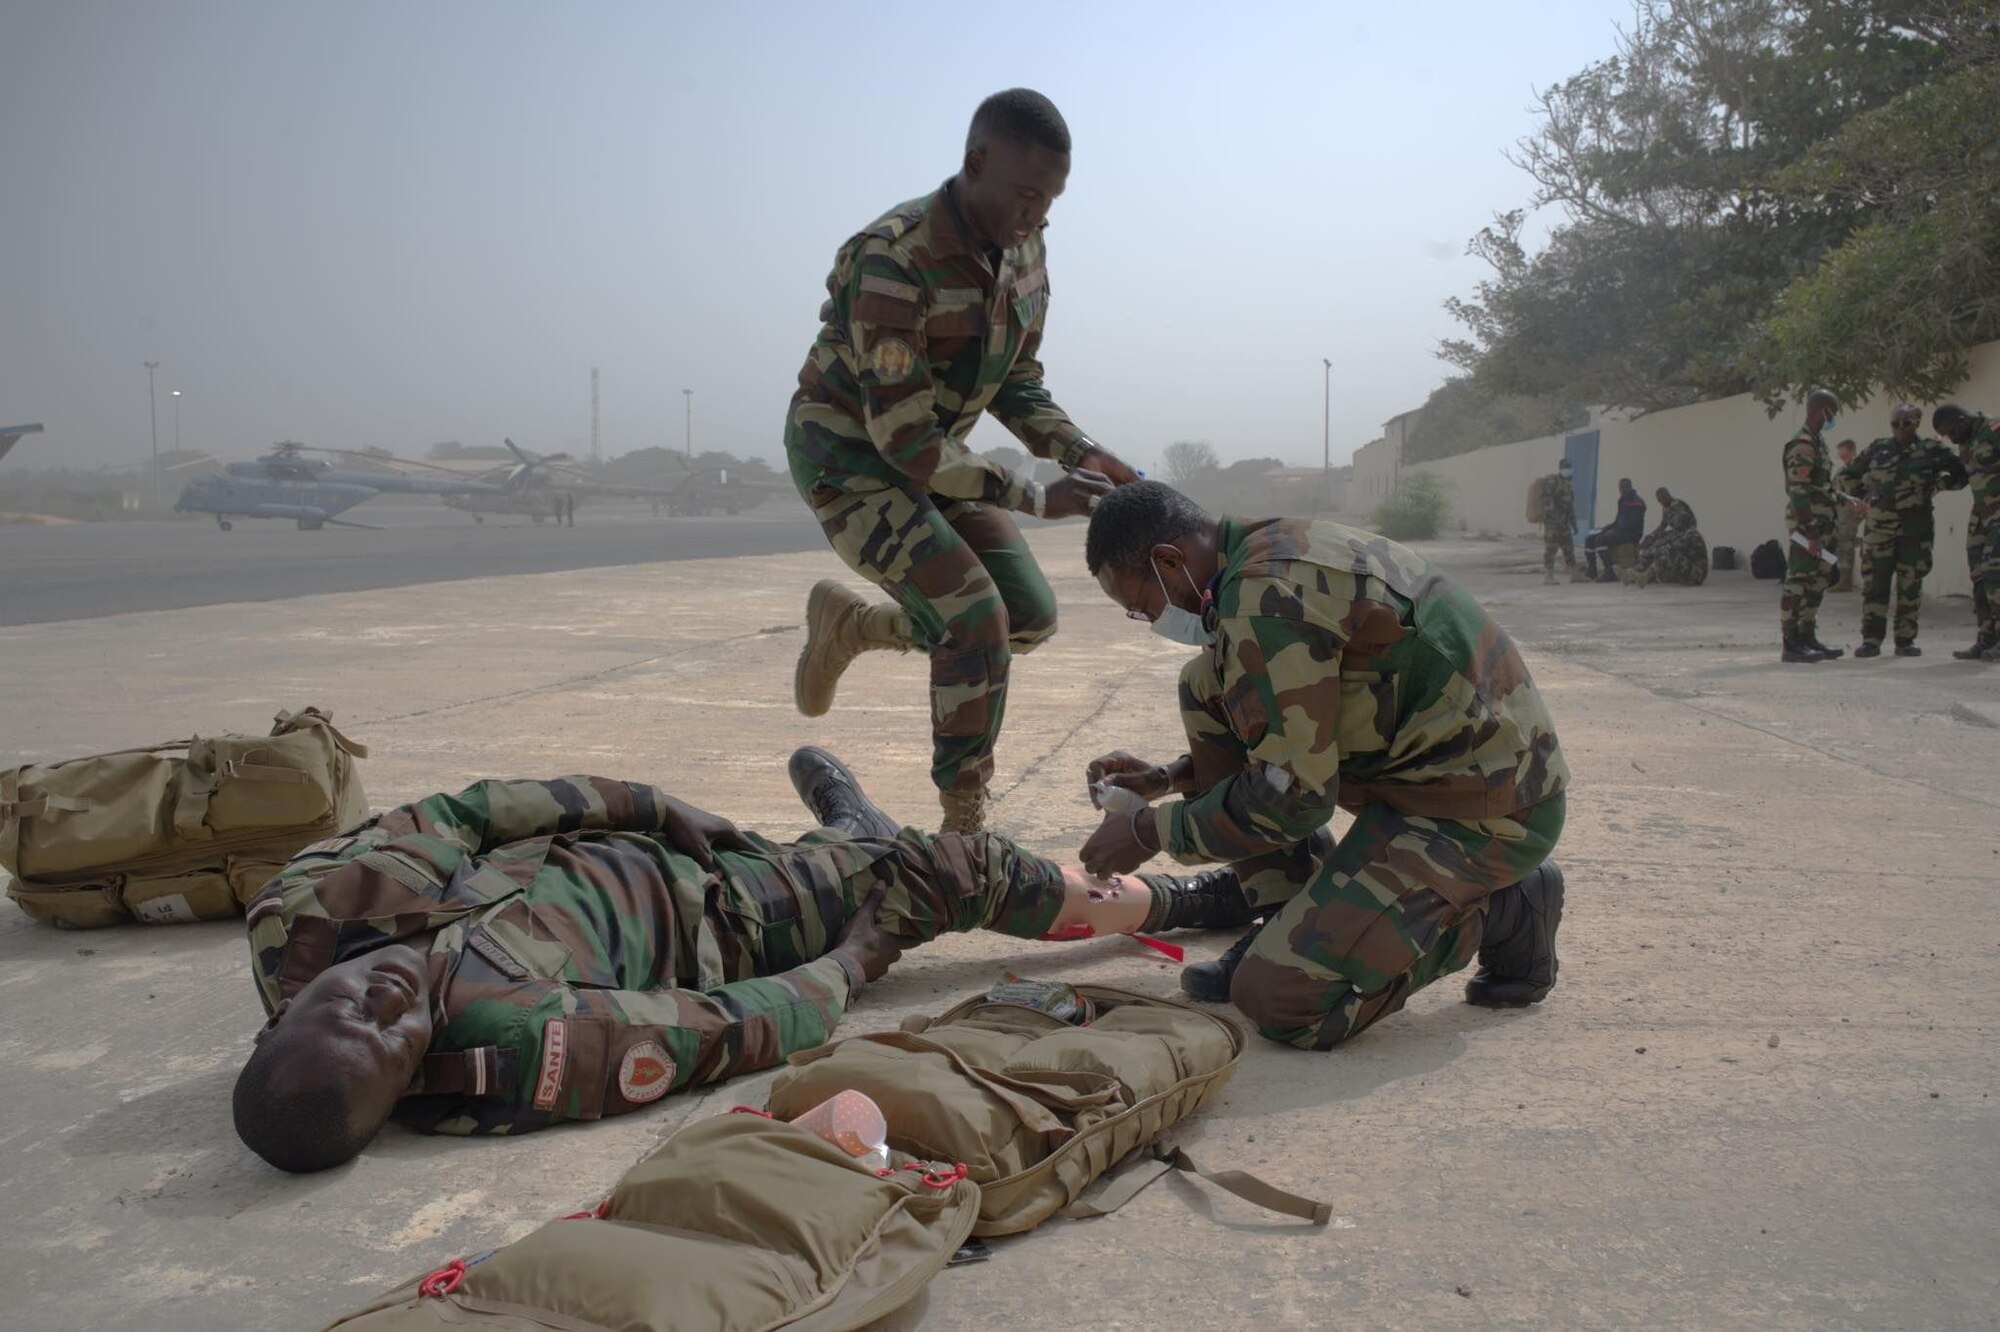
[(999, 1116)]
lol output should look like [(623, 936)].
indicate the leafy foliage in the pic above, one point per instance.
[(1459, 417), (1711, 175), (1416, 509)]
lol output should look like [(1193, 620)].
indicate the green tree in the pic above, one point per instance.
[(1416, 510), (1677, 231), (1459, 417), (1900, 299)]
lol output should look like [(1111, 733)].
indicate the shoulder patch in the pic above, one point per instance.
[(555, 1058), (892, 360), (645, 1073)]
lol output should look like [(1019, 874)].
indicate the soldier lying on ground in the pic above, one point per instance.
[(1337, 668), (524, 953)]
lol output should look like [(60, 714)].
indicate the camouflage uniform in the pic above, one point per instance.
[(1348, 672), (581, 967), (1674, 552), (1809, 509), (1981, 458), (1898, 484), (1558, 522), (923, 332), (1847, 533)]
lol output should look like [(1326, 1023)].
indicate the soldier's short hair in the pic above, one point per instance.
[(299, 1130), (1823, 398), (1947, 417), (1020, 116), (1131, 520)]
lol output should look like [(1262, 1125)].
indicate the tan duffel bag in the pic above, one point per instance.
[(182, 831), (736, 1222), (1037, 1108)]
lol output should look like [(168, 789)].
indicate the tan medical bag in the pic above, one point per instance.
[(187, 830)]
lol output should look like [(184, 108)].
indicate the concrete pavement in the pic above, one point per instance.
[(1762, 1094)]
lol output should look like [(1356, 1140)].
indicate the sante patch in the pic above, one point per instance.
[(555, 1058), (645, 1073)]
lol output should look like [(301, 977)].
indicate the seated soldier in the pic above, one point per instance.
[(1673, 552), (1624, 529), (524, 953), (1336, 668)]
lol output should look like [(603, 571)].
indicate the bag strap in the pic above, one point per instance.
[(264, 772), (287, 722), (1113, 1191)]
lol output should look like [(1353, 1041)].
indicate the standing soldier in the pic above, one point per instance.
[(1847, 534), (1898, 476), (1978, 440), (1559, 523), (1809, 520), (934, 317)]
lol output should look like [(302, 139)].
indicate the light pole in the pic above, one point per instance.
[(176, 395), (689, 395), (153, 415), (1326, 431)]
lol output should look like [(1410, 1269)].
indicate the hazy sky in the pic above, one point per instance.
[(393, 224)]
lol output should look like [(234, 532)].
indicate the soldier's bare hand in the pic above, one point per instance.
[(1118, 768), (1115, 847), (1812, 546), (867, 944), (1108, 465), (698, 834), (1076, 494)]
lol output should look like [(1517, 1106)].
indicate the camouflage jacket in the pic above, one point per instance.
[(1898, 483), (920, 334), (574, 972), (1559, 501), (1809, 498), (1354, 672), (1678, 516), (1981, 457)]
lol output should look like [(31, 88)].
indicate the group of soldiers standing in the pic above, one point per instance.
[(1673, 552), (1885, 492)]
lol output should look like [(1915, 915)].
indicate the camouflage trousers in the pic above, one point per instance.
[(1677, 557), (974, 595), (785, 905), (1902, 556), (1366, 920), (1806, 579), (1847, 535), (1982, 554), (1558, 538)]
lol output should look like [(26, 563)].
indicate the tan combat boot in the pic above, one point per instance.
[(964, 811), (840, 625)]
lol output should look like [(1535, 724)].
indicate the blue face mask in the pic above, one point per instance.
[(1177, 625)]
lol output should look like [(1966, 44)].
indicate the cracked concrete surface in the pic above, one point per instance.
[(1762, 1094)]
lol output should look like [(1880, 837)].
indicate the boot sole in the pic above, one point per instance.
[(815, 608)]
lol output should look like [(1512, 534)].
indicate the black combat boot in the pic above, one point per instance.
[(1811, 640), (1209, 981), (1908, 649), (1517, 955), (1210, 900), (834, 796), (1978, 649), (1869, 649), (1797, 649)]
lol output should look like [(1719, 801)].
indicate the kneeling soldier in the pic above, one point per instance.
[(1337, 668)]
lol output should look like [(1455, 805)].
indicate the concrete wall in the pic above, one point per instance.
[(1722, 457)]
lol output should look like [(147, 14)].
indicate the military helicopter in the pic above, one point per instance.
[(542, 486), (310, 491)]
